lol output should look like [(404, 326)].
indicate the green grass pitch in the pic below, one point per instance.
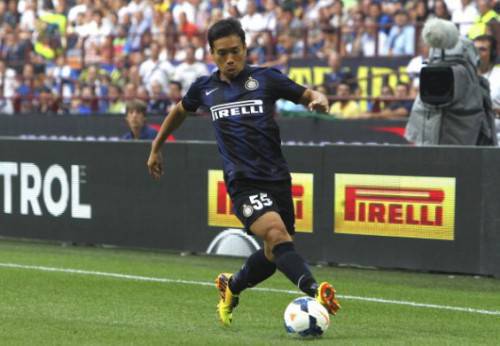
[(41, 307)]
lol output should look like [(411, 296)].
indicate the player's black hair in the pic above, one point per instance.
[(224, 28)]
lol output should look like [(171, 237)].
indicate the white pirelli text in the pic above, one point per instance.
[(239, 108)]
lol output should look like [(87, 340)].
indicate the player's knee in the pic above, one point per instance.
[(268, 252), (276, 234)]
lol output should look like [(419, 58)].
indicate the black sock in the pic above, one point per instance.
[(290, 263), (256, 269)]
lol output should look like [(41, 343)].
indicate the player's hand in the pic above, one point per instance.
[(319, 103), (155, 165)]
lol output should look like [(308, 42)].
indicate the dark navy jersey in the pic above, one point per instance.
[(242, 112)]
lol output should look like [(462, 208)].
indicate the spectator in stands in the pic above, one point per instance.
[(440, 10), (338, 73), (86, 103), (136, 122), (336, 15), (369, 40), (10, 14), (351, 28), (188, 71), (27, 19), (397, 107), (415, 65), (46, 101), (175, 93), (139, 26), (159, 101), (133, 75), (25, 90), (186, 27), (155, 70), (487, 16), (115, 104), (286, 48), (129, 92), (345, 108), (143, 94), (401, 39), (288, 22), (486, 45), (328, 41), (14, 52), (252, 23), (463, 15), (420, 11), (7, 88), (80, 7), (383, 20), (270, 15)]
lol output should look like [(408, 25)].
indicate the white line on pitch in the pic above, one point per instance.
[(201, 283)]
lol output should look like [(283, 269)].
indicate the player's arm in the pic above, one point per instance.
[(314, 101), (172, 121)]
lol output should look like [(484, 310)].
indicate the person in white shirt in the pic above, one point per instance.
[(8, 86), (188, 71), (365, 42), (464, 16), (155, 70), (252, 23), (415, 65)]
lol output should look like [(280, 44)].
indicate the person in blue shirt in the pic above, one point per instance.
[(401, 37), (241, 101), (136, 122)]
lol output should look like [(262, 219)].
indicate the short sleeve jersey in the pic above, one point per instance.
[(242, 113)]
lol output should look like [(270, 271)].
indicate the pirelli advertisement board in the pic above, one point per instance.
[(395, 206), (432, 208), (220, 209)]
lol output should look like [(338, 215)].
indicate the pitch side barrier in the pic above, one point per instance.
[(433, 208), (111, 127)]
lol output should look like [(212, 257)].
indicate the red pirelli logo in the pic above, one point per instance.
[(417, 207), (220, 208)]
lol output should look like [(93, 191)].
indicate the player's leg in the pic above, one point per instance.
[(256, 269), (271, 229)]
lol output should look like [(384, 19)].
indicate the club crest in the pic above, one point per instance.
[(251, 84), (247, 210)]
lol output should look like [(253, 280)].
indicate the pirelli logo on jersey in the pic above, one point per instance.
[(220, 209), (240, 108), (395, 206)]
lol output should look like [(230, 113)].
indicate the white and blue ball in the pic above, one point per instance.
[(305, 317)]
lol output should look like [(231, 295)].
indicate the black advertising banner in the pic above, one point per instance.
[(433, 208), (112, 128)]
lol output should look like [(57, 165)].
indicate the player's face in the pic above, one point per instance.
[(229, 54)]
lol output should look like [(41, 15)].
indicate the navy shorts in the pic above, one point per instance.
[(253, 198)]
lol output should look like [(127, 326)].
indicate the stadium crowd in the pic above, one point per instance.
[(91, 56)]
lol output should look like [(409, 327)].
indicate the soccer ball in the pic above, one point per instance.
[(305, 317)]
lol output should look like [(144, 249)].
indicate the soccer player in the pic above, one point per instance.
[(241, 101)]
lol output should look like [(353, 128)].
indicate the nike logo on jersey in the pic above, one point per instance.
[(208, 92)]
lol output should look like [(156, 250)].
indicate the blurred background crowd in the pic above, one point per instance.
[(91, 56)]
